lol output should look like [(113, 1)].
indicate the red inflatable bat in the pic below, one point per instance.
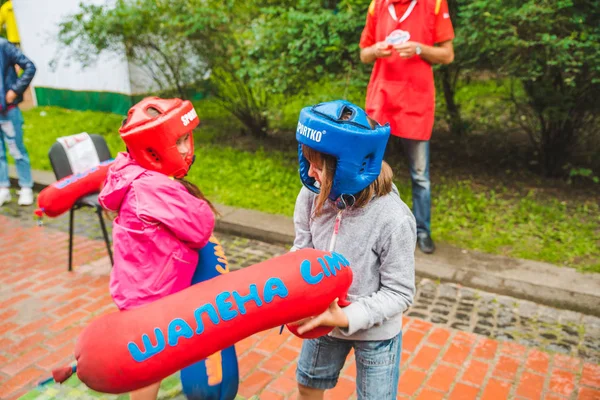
[(128, 350), (60, 196)]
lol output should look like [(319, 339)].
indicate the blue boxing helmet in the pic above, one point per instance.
[(357, 147)]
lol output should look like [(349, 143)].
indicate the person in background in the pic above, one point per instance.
[(9, 22), (404, 39), (12, 88)]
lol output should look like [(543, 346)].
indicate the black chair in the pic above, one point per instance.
[(62, 168)]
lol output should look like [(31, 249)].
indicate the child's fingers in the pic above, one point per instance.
[(300, 322), (310, 325)]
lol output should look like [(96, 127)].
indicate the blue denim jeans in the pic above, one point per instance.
[(11, 137), (417, 152), (377, 365)]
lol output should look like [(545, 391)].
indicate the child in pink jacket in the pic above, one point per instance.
[(162, 220)]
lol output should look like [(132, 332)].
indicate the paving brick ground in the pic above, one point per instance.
[(451, 305), (506, 318), (43, 308)]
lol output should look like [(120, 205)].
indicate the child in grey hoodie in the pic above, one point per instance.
[(350, 205)]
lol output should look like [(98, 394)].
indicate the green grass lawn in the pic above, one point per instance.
[(545, 229), (44, 124)]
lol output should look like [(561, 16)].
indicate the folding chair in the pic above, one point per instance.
[(62, 168)]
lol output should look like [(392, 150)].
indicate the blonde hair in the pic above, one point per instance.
[(379, 187)]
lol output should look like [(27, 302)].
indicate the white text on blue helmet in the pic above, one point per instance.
[(310, 133)]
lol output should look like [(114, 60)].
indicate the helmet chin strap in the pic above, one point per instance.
[(345, 201)]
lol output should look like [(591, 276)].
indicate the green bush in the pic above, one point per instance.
[(553, 49), (306, 42)]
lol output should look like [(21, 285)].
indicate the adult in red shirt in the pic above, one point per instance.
[(401, 91)]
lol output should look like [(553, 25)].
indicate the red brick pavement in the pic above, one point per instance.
[(43, 308)]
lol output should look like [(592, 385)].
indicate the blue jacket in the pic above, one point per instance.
[(9, 57)]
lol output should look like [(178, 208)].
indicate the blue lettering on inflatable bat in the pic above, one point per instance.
[(330, 265), (307, 275), (325, 268), (209, 309), (333, 264), (149, 350), (336, 261), (331, 268), (225, 307), (179, 328), (341, 259), (274, 287), (242, 300)]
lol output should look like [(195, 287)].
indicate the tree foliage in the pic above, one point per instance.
[(553, 49), (305, 40), (257, 50), (143, 32), (177, 43)]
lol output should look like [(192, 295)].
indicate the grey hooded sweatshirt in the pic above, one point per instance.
[(379, 242)]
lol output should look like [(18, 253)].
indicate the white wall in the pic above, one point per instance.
[(38, 27)]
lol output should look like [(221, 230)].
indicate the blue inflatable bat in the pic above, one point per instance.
[(215, 378)]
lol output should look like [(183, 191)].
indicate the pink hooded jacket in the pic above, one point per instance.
[(157, 233)]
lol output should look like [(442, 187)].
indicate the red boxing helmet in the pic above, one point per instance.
[(152, 139)]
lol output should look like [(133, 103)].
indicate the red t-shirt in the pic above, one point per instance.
[(444, 30), (401, 91)]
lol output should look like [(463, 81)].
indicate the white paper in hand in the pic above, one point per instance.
[(397, 37)]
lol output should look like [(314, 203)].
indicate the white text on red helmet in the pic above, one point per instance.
[(189, 117), (310, 133)]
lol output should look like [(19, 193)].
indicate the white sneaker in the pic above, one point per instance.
[(4, 196), (25, 197)]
